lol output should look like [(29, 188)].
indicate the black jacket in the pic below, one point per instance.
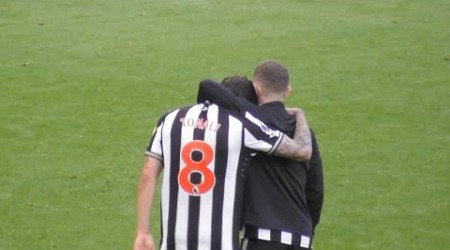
[(280, 194)]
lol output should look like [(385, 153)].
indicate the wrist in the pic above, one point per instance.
[(141, 231)]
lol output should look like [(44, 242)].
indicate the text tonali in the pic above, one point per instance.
[(200, 123)]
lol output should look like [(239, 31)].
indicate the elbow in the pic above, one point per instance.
[(304, 155), (145, 180)]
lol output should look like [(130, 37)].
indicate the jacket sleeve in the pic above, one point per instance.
[(314, 183), (214, 92)]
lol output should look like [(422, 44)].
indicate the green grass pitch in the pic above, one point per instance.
[(83, 82)]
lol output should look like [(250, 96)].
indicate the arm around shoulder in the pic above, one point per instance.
[(300, 147)]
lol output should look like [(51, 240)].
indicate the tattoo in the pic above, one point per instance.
[(300, 147), (284, 149), (303, 135)]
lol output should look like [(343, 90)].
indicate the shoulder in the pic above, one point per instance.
[(173, 112), (182, 108)]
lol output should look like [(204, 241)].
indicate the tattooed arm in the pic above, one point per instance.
[(300, 147)]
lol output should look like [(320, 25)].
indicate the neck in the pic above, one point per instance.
[(267, 99), (265, 96)]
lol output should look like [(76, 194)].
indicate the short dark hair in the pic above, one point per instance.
[(242, 87), (273, 76)]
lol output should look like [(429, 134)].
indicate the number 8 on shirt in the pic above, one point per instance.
[(201, 167)]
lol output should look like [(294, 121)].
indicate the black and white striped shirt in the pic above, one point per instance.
[(205, 151)]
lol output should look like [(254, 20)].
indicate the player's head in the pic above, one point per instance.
[(241, 87), (271, 79)]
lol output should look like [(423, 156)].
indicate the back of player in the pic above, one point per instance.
[(283, 197), (203, 149)]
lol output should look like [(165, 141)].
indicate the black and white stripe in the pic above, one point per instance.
[(210, 220), (281, 236)]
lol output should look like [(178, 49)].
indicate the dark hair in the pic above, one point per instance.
[(242, 87), (273, 76)]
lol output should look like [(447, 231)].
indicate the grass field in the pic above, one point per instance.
[(83, 82)]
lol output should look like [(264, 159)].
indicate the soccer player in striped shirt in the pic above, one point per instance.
[(290, 192), (204, 152)]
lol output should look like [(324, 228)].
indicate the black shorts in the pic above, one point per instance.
[(256, 244)]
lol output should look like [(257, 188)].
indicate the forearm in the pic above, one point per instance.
[(143, 206), (314, 188), (300, 147), (214, 92), (314, 204), (145, 194), (314, 192)]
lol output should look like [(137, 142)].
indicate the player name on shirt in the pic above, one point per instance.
[(200, 123)]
